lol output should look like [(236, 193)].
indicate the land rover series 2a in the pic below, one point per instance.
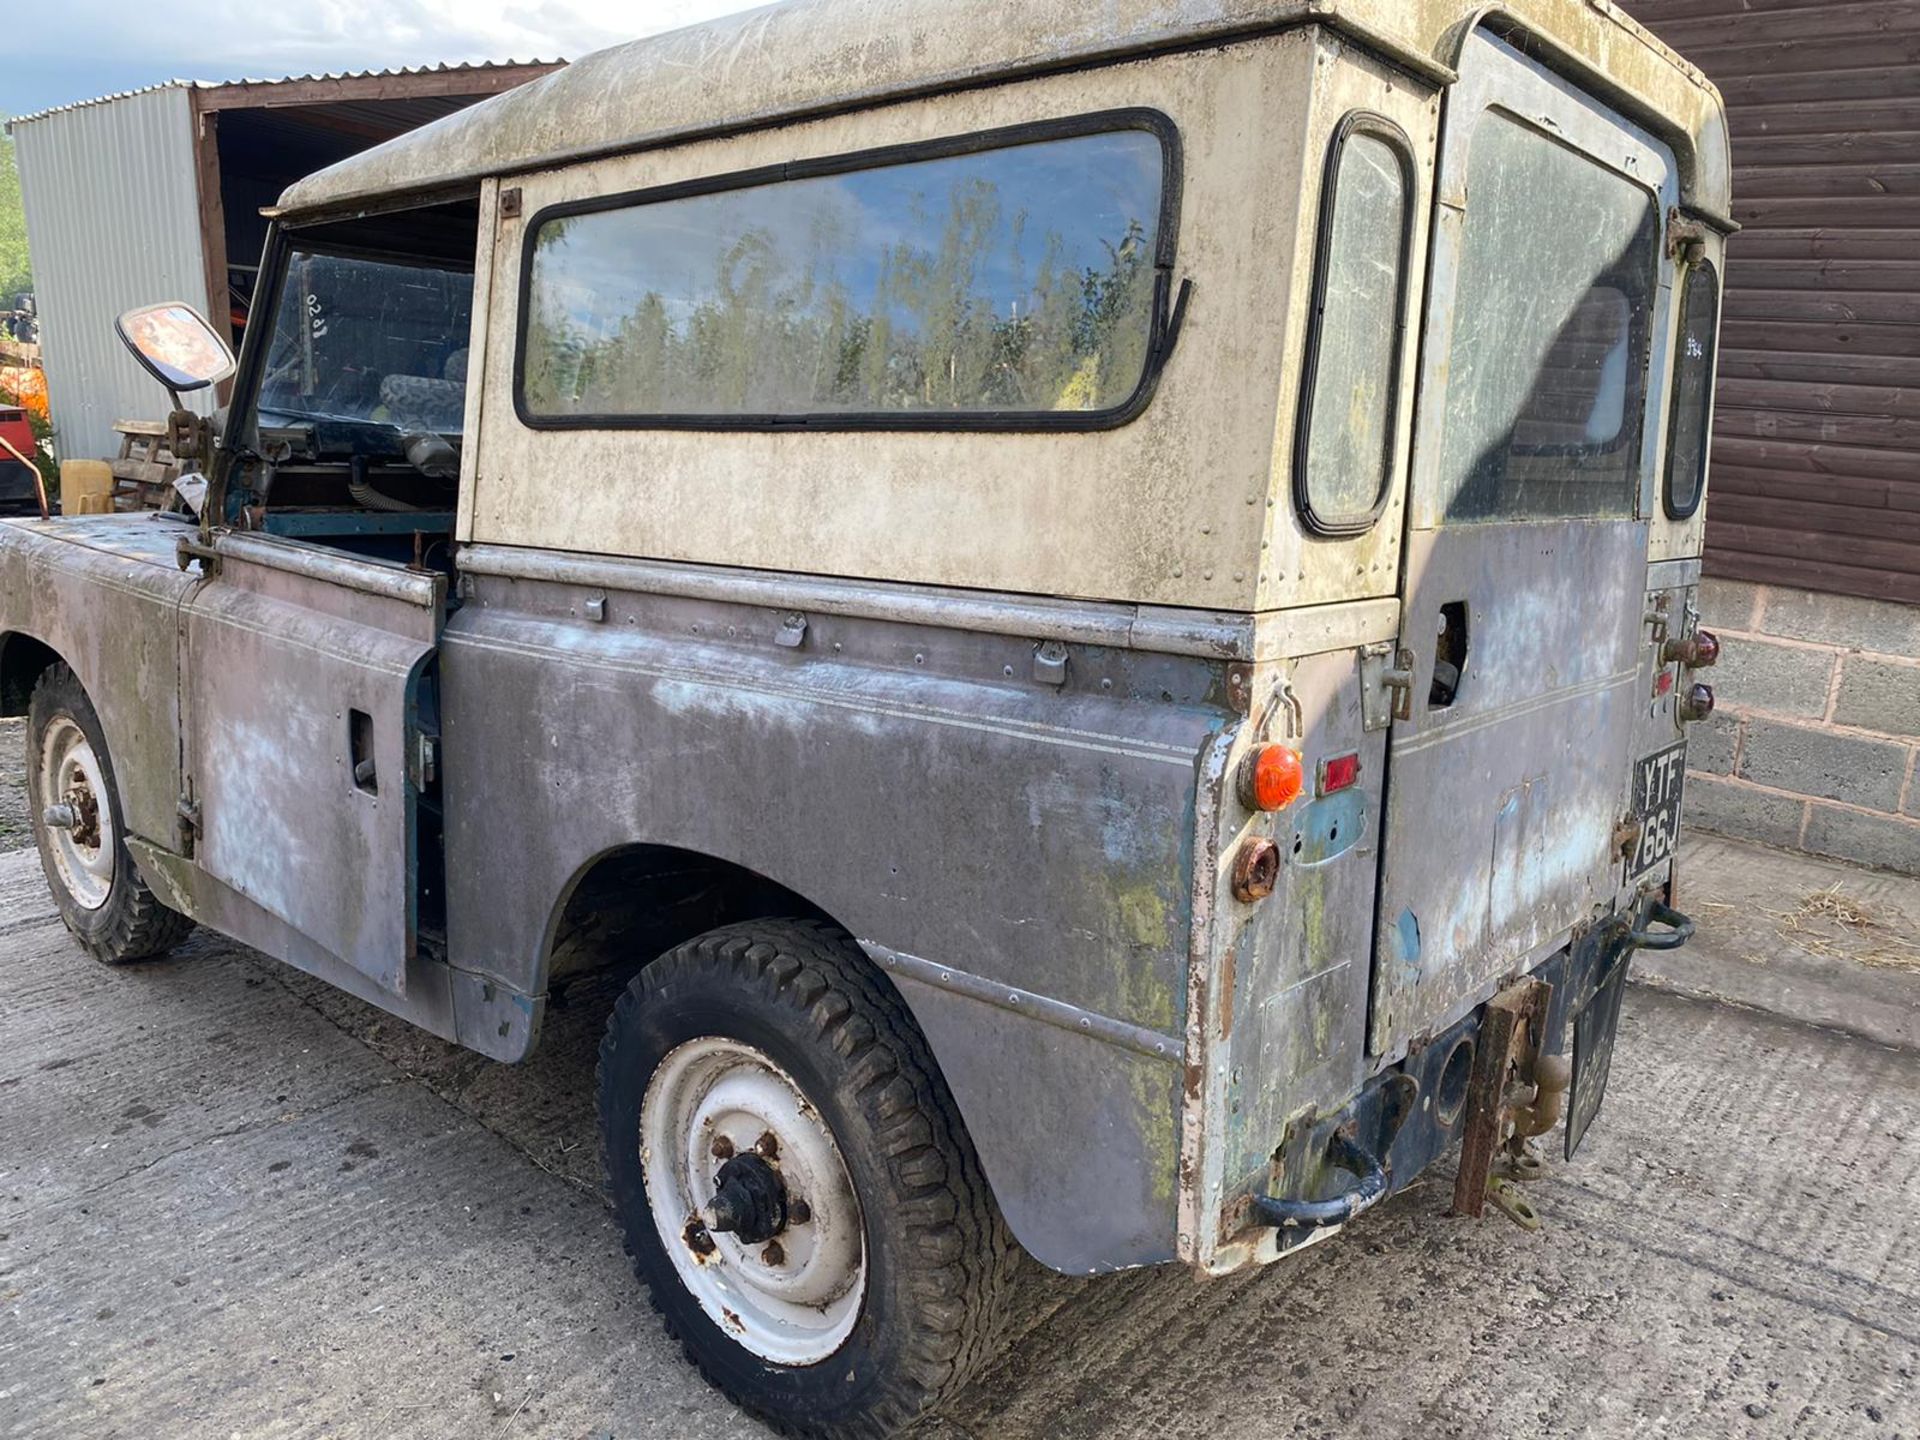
[(1096, 601)]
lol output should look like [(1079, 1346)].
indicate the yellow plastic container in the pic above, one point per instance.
[(86, 487)]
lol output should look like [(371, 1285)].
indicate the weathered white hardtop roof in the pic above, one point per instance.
[(809, 57)]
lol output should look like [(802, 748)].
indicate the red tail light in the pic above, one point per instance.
[(1697, 651), (1339, 773)]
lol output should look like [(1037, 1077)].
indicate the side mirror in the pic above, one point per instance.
[(176, 345)]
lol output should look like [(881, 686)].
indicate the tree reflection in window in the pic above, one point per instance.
[(1018, 279)]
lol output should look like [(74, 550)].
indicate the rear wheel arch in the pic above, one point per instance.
[(640, 900)]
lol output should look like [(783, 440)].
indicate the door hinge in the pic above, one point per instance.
[(426, 761), (1386, 686), (186, 826), (1686, 239)]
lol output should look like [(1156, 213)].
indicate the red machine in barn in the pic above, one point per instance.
[(21, 491)]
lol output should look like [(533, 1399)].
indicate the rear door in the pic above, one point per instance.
[(1525, 555)]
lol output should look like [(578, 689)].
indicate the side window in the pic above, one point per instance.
[(1343, 450), (1692, 390), (1017, 278)]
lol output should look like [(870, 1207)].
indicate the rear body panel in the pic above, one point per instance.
[(1013, 852)]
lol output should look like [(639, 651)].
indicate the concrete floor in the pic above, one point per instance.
[(15, 831), (235, 1203)]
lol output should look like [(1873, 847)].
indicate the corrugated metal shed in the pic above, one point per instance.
[(1816, 452), (133, 159), (153, 195)]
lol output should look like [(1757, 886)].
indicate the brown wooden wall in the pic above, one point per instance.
[(1816, 455)]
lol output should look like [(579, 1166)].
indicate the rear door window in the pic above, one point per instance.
[(1552, 314)]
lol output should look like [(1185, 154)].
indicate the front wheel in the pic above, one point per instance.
[(796, 1187), (80, 833)]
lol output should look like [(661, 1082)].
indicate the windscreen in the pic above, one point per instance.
[(367, 340), (1547, 376)]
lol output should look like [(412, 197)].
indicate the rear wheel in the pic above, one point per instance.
[(78, 827), (796, 1187)]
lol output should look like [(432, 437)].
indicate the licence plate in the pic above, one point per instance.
[(1657, 782), (1593, 1032)]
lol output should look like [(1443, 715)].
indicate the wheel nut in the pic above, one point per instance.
[(774, 1254), (722, 1148), (768, 1145), (798, 1212)]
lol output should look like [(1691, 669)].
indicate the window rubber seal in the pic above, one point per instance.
[(1686, 512), (1356, 122)]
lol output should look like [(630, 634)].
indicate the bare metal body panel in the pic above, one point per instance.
[(1015, 852), (104, 593), (294, 649), (1502, 807)]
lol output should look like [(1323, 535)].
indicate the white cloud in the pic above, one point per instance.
[(225, 39)]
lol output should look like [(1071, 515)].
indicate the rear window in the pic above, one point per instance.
[(1011, 277), (1546, 399)]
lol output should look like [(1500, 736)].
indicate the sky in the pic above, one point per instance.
[(71, 50)]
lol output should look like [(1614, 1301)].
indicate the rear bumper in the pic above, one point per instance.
[(1330, 1168)]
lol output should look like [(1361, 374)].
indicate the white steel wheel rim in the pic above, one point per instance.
[(71, 775), (792, 1300)]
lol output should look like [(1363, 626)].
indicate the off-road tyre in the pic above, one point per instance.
[(940, 1258), (131, 924)]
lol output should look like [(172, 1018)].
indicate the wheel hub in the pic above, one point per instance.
[(751, 1202)]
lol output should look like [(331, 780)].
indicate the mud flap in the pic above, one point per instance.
[(1594, 1029)]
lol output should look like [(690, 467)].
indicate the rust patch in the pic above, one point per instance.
[(1256, 869), (1506, 1049)]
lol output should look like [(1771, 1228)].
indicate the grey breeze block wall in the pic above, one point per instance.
[(1811, 746)]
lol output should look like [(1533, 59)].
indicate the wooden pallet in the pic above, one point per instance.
[(144, 467)]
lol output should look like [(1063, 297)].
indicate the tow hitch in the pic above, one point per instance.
[(1345, 1152), (1524, 1084)]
